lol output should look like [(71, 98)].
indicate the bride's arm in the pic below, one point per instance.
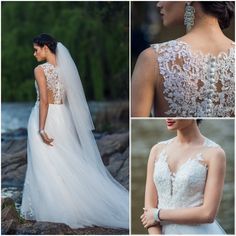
[(143, 84), (151, 198), (212, 195), (43, 102), (43, 98)]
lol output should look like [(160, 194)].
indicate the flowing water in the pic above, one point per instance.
[(107, 116), (146, 133)]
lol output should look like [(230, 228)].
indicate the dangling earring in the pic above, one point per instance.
[(189, 16)]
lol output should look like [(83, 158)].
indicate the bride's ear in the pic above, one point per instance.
[(46, 49)]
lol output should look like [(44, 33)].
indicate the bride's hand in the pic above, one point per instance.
[(46, 139), (147, 217)]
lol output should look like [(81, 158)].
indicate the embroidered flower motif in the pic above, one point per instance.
[(196, 84), (53, 83), (185, 187)]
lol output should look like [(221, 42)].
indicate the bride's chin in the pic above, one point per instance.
[(171, 128)]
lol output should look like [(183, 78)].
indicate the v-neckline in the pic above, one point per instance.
[(174, 173)]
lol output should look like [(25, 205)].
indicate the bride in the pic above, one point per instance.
[(192, 76), (66, 180), (185, 178)]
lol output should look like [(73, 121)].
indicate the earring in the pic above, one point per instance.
[(189, 16)]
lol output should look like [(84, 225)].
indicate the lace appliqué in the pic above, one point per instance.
[(185, 187), (53, 83), (196, 85), (27, 212)]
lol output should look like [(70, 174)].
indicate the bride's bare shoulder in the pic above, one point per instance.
[(38, 72), (147, 55)]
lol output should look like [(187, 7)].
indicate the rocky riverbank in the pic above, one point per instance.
[(13, 224), (114, 149)]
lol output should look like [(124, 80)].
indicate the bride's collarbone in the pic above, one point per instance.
[(176, 158)]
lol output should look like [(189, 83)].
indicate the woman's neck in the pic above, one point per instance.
[(51, 58), (190, 134), (204, 23)]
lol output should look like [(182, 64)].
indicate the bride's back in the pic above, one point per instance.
[(55, 87), (194, 78)]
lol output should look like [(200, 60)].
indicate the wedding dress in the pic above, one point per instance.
[(67, 182), (183, 189), (194, 84)]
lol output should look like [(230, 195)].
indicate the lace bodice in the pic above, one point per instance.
[(54, 83), (194, 84), (185, 188)]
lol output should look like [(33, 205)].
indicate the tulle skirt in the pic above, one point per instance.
[(61, 185), (212, 228)]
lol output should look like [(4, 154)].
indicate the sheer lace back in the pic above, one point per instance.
[(55, 87), (185, 187), (195, 84)]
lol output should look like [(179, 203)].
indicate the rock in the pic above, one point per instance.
[(101, 231), (42, 228), (14, 163), (9, 216), (20, 133), (115, 154), (116, 161), (113, 143), (9, 227), (111, 116), (8, 210), (13, 224), (123, 174), (6, 202)]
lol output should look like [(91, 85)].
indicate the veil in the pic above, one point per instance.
[(74, 90), (79, 111)]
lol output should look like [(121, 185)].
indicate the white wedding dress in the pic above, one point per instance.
[(183, 189), (61, 185), (193, 84)]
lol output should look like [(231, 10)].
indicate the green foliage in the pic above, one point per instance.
[(96, 34)]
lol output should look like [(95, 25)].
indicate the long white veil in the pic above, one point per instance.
[(79, 110), (74, 89)]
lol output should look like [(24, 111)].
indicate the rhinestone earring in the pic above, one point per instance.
[(189, 16)]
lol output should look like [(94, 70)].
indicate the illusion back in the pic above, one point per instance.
[(55, 87), (194, 84)]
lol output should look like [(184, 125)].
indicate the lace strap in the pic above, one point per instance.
[(210, 143), (155, 46), (166, 141), (44, 66)]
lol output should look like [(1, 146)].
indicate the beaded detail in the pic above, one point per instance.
[(195, 84), (54, 83), (29, 214), (185, 187)]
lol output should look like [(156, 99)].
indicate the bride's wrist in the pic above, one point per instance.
[(156, 214), (41, 131)]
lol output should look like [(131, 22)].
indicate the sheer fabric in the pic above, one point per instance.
[(194, 84)]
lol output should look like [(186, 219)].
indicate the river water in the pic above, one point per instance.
[(146, 133), (107, 116)]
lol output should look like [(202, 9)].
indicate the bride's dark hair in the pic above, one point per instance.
[(46, 39), (222, 10), (199, 121)]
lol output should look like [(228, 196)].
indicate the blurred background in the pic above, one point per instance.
[(147, 28), (146, 133), (96, 34)]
